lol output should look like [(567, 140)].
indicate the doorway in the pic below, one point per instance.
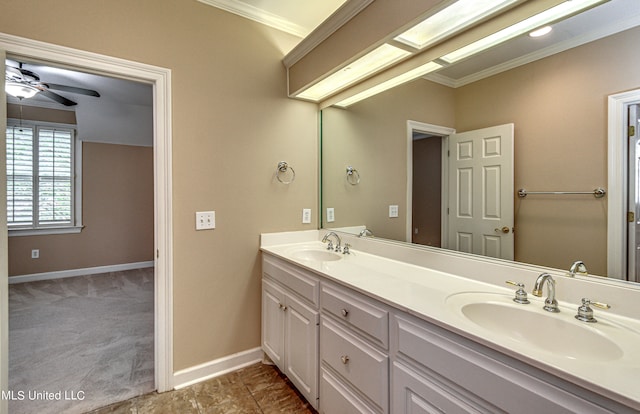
[(81, 312), (476, 188), (426, 143), (427, 189), (160, 78), (623, 189)]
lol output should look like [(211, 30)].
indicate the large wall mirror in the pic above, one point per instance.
[(385, 160)]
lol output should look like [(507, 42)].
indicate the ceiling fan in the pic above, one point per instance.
[(22, 83)]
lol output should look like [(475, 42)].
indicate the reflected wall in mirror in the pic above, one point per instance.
[(559, 107)]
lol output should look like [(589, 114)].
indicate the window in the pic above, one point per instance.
[(41, 175)]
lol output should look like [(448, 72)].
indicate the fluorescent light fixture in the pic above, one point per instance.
[(548, 16), (20, 90), (541, 31), (398, 80), (450, 20), (368, 64)]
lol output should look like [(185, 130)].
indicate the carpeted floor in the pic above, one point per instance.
[(80, 343)]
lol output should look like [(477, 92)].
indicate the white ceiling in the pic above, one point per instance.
[(609, 18), (123, 113)]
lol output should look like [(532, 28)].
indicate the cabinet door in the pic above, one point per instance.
[(301, 348), (273, 317), (414, 393)]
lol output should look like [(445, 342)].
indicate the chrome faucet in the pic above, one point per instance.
[(330, 246), (365, 233), (578, 267), (550, 303)]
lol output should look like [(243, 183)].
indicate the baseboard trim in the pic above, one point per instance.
[(215, 368), (79, 272)]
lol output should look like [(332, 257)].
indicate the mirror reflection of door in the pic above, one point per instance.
[(462, 191), (481, 217), (633, 217)]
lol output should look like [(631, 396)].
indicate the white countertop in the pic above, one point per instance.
[(426, 293)]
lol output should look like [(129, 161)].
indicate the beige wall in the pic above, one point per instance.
[(371, 136), (232, 123), (41, 114), (117, 203)]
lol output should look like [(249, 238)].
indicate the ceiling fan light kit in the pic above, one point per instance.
[(23, 84), (20, 90)]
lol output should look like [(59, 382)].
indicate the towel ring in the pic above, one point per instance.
[(282, 168), (353, 176)]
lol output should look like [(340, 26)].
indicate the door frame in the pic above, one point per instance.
[(160, 78), (444, 132), (617, 193)]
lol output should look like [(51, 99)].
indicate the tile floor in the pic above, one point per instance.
[(257, 389)]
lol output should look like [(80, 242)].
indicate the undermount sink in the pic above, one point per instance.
[(316, 255), (557, 333)]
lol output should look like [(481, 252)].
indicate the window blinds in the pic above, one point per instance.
[(40, 176)]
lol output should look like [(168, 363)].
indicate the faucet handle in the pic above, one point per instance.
[(521, 294), (345, 249), (585, 313), (329, 245)]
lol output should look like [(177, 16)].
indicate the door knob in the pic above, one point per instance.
[(504, 230)]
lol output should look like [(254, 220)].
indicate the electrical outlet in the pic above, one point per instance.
[(205, 220), (331, 217), (393, 211), (306, 216), (35, 253)]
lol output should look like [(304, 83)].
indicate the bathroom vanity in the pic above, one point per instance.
[(390, 328)]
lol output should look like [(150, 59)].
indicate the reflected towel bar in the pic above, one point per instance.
[(597, 193)]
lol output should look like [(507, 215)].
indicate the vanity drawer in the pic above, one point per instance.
[(366, 368), (336, 398), (303, 284), (357, 311)]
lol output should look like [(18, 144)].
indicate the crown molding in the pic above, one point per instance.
[(258, 15), (341, 16)]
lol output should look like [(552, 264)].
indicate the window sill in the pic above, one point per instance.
[(45, 231)]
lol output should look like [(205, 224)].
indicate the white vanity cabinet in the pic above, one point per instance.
[(354, 337), (349, 352), (435, 371), (290, 320)]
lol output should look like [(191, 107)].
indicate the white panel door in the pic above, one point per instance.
[(481, 192), (633, 218)]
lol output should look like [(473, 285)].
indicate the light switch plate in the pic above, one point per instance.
[(331, 217), (306, 216), (205, 220), (393, 211)]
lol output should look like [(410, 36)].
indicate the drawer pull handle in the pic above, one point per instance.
[(344, 359), (345, 312), (282, 307)]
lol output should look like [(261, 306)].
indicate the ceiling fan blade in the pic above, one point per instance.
[(72, 89), (29, 76), (54, 96)]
